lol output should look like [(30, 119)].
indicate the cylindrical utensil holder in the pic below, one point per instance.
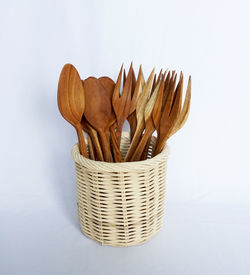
[(121, 204)]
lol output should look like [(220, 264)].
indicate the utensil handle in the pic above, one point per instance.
[(118, 134), (158, 147), (94, 137), (145, 151), (81, 141), (134, 143), (116, 150), (104, 137), (132, 123), (90, 146), (142, 144)]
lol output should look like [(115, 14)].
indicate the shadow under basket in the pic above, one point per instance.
[(121, 204)]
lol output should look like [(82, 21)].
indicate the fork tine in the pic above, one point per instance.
[(170, 95), (154, 82), (126, 92), (116, 93), (177, 101), (133, 81), (156, 114), (159, 77), (185, 110), (138, 89), (124, 77)]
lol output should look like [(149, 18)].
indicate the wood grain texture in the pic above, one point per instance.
[(71, 101), (170, 114), (109, 85), (140, 110), (87, 128), (137, 86), (156, 113), (91, 148), (154, 103), (98, 112), (121, 102), (181, 120)]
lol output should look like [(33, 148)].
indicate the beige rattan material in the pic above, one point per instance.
[(121, 204)]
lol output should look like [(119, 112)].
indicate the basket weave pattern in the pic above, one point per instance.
[(121, 204)]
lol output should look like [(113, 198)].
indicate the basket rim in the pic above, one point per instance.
[(102, 166)]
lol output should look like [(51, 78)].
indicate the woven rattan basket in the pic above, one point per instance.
[(121, 204)]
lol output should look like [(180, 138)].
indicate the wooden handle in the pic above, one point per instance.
[(91, 148), (104, 137), (134, 142), (145, 151), (142, 144), (96, 143), (118, 134), (158, 147), (132, 123), (116, 150), (81, 141)]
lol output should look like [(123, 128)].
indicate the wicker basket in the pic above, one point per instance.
[(121, 204)]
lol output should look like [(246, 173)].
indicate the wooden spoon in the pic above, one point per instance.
[(140, 109), (98, 112), (71, 101), (170, 114), (154, 103)]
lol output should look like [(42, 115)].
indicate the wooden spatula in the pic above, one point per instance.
[(87, 128), (71, 101), (98, 112), (93, 135)]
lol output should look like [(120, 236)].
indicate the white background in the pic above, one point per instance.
[(207, 223)]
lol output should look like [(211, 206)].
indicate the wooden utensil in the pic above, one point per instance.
[(140, 109), (185, 110), (98, 112), (154, 103), (137, 86), (170, 114), (166, 89), (71, 101), (93, 135), (109, 85), (121, 102), (156, 81), (94, 138), (91, 148), (124, 77), (156, 113)]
